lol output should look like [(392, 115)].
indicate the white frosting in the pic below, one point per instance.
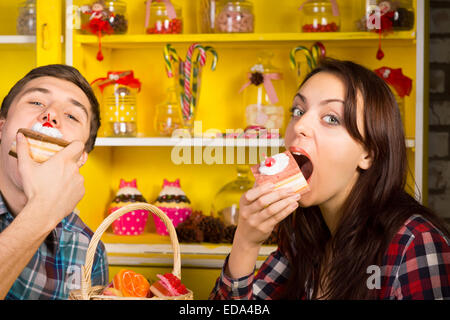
[(129, 190), (52, 132), (175, 191), (281, 162)]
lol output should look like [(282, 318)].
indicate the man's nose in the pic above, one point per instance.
[(51, 116)]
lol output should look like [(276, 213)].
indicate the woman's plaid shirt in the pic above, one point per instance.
[(415, 266), (54, 270)]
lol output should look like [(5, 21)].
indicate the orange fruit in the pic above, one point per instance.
[(131, 284)]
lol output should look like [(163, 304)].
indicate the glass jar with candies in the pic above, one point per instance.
[(168, 114), (235, 17), (163, 17), (320, 16), (108, 16), (26, 22)]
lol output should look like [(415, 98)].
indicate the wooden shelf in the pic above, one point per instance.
[(117, 41)]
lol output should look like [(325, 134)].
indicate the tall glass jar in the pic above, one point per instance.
[(226, 202), (235, 17), (263, 110), (113, 11), (160, 20), (206, 15), (320, 16), (120, 110), (26, 22), (168, 114)]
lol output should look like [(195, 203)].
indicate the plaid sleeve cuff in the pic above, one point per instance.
[(240, 288)]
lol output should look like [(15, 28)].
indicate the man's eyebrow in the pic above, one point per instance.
[(34, 89), (80, 105)]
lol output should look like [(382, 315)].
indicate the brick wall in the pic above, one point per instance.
[(439, 117)]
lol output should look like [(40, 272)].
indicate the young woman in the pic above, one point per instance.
[(357, 234)]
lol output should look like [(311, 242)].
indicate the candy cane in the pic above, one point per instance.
[(188, 108), (170, 54)]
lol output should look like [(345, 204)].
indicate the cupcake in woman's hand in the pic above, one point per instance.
[(44, 141), (282, 170)]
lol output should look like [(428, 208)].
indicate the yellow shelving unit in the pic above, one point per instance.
[(147, 157)]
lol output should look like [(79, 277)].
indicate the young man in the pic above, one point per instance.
[(43, 243)]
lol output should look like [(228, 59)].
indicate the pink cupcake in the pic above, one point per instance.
[(174, 203), (132, 223)]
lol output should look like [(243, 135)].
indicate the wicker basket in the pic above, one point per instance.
[(87, 292)]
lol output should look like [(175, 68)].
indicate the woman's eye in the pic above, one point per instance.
[(296, 112), (330, 119)]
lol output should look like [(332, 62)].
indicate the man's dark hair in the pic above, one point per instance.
[(63, 72)]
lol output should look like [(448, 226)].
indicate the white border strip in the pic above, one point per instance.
[(69, 32), (420, 74)]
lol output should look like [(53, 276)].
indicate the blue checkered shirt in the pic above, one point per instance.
[(55, 269)]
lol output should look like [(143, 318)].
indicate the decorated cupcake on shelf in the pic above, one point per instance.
[(133, 222), (174, 203)]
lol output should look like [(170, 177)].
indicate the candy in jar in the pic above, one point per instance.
[(262, 95), (235, 17), (26, 22), (162, 17), (131, 223), (120, 90), (320, 16)]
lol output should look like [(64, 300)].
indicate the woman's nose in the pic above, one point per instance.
[(303, 126)]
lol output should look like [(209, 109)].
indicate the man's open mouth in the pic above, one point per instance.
[(303, 161)]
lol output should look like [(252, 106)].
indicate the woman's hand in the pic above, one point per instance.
[(261, 209)]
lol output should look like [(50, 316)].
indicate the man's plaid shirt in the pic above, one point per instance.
[(55, 269), (415, 266)]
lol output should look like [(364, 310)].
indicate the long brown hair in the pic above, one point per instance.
[(375, 209)]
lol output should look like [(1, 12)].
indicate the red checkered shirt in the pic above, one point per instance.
[(416, 266)]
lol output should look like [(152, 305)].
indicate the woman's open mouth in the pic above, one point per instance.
[(303, 161)]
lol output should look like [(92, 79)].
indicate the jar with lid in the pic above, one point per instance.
[(26, 21), (235, 17), (112, 11), (119, 107), (226, 201), (395, 15), (263, 94), (206, 15), (163, 17), (168, 114), (320, 16)]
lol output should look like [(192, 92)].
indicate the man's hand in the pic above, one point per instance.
[(55, 186)]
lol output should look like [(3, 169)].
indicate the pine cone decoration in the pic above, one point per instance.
[(212, 229), (228, 233), (257, 78), (188, 233)]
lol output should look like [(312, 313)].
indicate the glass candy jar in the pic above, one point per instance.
[(168, 115), (206, 15), (395, 15), (234, 17), (117, 10), (26, 22), (121, 112), (113, 11), (263, 94), (162, 18), (320, 16), (226, 201)]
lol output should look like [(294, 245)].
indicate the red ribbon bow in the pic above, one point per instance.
[(395, 77), (119, 77)]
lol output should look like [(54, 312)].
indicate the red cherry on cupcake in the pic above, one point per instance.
[(269, 162)]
